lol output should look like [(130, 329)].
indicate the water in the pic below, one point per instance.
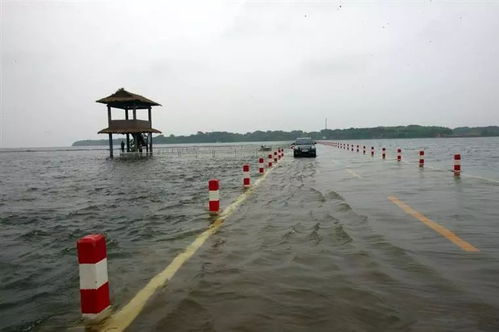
[(315, 248)]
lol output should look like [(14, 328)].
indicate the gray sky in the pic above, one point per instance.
[(245, 66)]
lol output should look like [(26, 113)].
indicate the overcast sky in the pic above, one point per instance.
[(245, 66)]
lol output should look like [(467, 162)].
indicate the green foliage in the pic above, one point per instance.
[(411, 131)]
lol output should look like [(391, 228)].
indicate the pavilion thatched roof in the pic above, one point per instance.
[(127, 100)]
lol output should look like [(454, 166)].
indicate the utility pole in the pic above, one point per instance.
[(326, 125)]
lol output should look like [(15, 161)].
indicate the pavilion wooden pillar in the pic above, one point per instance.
[(150, 143), (127, 135), (111, 146), (110, 135), (150, 134)]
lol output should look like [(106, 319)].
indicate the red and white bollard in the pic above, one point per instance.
[(364, 149), (372, 151), (421, 158), (357, 148), (275, 157), (246, 175), (457, 165), (94, 285), (214, 195), (399, 154), (270, 161), (383, 153), (261, 167)]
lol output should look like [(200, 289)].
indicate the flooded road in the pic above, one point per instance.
[(320, 249), (318, 246)]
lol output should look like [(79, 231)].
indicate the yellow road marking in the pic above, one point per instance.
[(353, 173), (124, 317), (433, 225)]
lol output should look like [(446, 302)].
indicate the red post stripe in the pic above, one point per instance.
[(421, 153), (246, 168), (93, 301), (91, 249), (213, 184), (457, 157), (246, 181), (260, 160), (214, 205)]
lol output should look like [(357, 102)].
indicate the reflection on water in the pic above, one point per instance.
[(314, 248)]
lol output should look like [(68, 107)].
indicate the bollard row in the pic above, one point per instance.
[(421, 162)]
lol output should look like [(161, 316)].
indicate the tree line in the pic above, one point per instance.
[(411, 131)]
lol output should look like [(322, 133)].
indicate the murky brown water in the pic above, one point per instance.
[(317, 247)]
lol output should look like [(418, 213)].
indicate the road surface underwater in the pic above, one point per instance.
[(319, 245)]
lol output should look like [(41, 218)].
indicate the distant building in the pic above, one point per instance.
[(140, 130)]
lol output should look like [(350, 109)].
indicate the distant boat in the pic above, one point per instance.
[(265, 148)]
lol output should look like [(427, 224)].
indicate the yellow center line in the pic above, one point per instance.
[(466, 246), (120, 320), (353, 173)]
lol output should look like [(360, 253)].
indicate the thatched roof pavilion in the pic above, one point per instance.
[(127, 101)]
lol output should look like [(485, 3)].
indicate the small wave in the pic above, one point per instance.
[(33, 234)]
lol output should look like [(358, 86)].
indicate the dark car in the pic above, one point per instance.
[(304, 147)]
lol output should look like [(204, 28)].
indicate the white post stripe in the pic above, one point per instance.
[(457, 162), (92, 276), (213, 195)]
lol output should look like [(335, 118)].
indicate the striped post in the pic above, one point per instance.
[(421, 158), (399, 155), (246, 175), (457, 165), (94, 285), (261, 168), (357, 148), (270, 161), (275, 157), (364, 149), (383, 153), (372, 151), (214, 196)]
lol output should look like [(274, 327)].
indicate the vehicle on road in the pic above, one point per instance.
[(304, 147)]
